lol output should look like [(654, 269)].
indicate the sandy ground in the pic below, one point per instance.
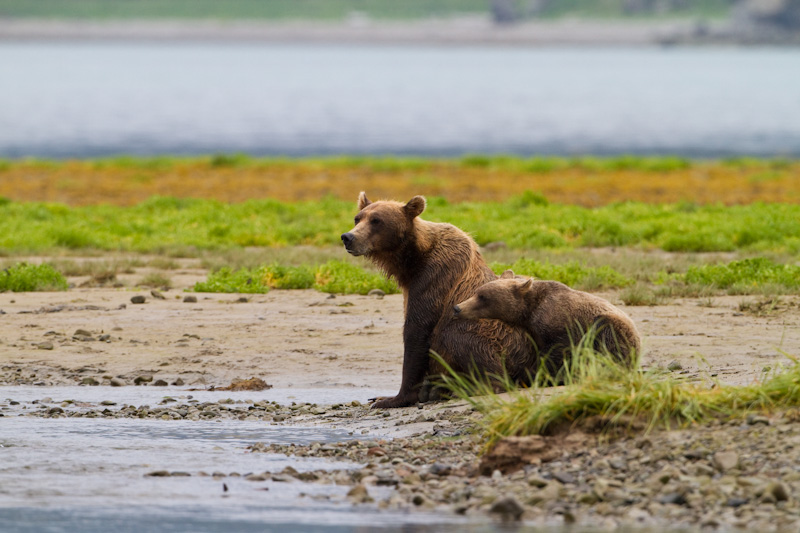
[(307, 339)]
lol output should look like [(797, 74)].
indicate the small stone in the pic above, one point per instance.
[(157, 473), (138, 299), (104, 338), (82, 332), (754, 419), (725, 460), (142, 379), (564, 477), (508, 508), (736, 502), (617, 463), (178, 382), (674, 366), (359, 494), (190, 299), (674, 498), (55, 410), (89, 381), (180, 474), (116, 382), (160, 383), (778, 490), (108, 402), (439, 469), (157, 294), (377, 293), (536, 481), (46, 345)]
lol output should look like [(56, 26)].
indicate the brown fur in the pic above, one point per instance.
[(436, 265), (554, 315)]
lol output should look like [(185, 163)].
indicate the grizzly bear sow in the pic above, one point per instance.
[(436, 265), (554, 315)]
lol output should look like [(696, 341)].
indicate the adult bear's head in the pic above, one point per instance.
[(381, 226)]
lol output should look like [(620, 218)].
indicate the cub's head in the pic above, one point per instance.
[(381, 226), (502, 299)]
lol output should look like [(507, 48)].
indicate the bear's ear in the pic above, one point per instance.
[(508, 274), (415, 206), (525, 285), (363, 201)]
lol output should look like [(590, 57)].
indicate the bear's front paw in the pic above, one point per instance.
[(397, 401)]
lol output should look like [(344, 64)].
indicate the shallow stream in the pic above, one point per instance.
[(90, 474)]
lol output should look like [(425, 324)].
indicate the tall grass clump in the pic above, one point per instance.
[(598, 389), (24, 277)]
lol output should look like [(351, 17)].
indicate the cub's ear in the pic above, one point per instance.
[(415, 206), (508, 274), (525, 285), (363, 201)]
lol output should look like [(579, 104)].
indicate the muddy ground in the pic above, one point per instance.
[(310, 339)]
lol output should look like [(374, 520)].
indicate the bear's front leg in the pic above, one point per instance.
[(416, 345)]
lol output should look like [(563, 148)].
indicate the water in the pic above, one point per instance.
[(85, 474), (99, 98)]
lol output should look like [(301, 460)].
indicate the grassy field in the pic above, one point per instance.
[(326, 9), (275, 224), (588, 182)]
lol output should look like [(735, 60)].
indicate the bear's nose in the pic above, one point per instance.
[(456, 309), (347, 238)]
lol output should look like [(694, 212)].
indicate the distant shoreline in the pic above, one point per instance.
[(460, 31)]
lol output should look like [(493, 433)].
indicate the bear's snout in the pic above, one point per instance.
[(456, 310), (347, 239)]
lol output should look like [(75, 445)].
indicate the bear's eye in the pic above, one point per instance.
[(375, 221), (482, 299), (357, 220)]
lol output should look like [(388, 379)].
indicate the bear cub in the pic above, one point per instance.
[(554, 315)]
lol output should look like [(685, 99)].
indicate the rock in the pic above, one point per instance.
[(564, 477), (178, 382), (778, 490), (754, 419), (508, 508), (157, 473), (83, 338), (512, 453), (674, 498), (254, 384), (736, 502), (439, 469), (160, 383), (83, 332), (89, 381), (46, 345), (190, 299), (674, 366), (117, 382), (55, 410), (725, 460), (359, 494), (157, 295), (108, 402), (180, 474), (104, 338), (377, 293), (138, 299), (142, 379)]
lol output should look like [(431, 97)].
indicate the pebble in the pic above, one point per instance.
[(117, 382), (157, 295), (46, 345), (377, 293), (138, 299), (726, 460), (508, 508), (674, 366), (190, 299)]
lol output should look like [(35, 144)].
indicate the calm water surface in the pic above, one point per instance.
[(91, 99)]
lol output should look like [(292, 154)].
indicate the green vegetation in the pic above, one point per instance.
[(572, 273), (599, 391), (24, 277), (336, 9), (331, 277), (237, 9), (525, 222), (745, 273)]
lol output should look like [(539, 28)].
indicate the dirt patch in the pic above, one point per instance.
[(311, 339)]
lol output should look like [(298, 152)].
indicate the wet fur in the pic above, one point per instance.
[(436, 265), (554, 315)]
